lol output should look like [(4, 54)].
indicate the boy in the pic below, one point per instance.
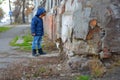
[(37, 31)]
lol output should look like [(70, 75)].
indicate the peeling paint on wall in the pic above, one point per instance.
[(71, 22)]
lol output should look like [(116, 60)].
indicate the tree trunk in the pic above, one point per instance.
[(9, 13), (23, 12)]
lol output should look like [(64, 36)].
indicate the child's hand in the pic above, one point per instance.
[(33, 34)]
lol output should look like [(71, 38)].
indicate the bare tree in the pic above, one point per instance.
[(10, 13), (17, 10), (1, 1), (22, 10), (1, 13)]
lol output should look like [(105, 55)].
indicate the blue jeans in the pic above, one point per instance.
[(37, 40)]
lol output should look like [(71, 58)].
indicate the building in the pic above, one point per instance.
[(83, 25)]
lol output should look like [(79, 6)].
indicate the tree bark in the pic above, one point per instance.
[(23, 12)]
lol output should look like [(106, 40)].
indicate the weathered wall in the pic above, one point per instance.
[(85, 26), (69, 19), (77, 16)]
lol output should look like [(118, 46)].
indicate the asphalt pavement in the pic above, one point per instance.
[(7, 53)]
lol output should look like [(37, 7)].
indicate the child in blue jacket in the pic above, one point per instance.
[(37, 31)]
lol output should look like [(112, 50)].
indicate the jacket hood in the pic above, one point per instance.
[(40, 11)]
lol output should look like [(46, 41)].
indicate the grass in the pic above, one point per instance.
[(83, 77), (4, 28), (12, 43), (47, 45), (26, 45)]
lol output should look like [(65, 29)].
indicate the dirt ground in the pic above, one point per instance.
[(50, 68)]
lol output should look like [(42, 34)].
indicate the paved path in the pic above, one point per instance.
[(7, 53), (6, 37)]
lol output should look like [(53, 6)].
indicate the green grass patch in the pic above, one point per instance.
[(47, 45), (26, 45), (13, 42), (83, 77), (4, 28)]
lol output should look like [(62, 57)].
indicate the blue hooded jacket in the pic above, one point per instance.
[(37, 23)]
